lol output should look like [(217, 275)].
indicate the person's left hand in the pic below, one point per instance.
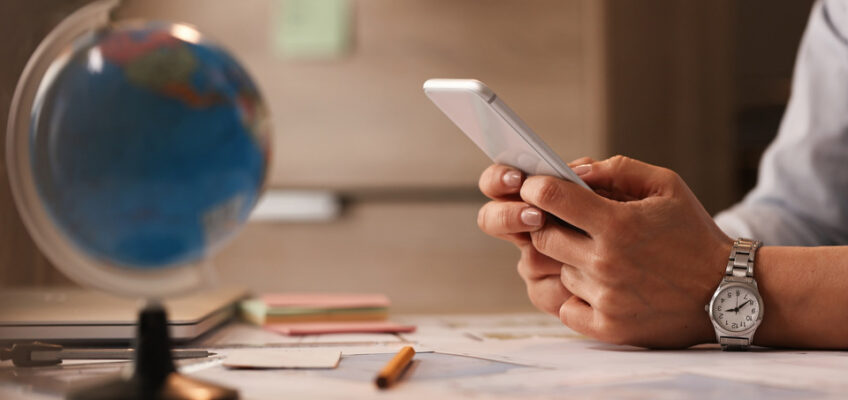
[(507, 217)]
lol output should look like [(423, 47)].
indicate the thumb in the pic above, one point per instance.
[(624, 178)]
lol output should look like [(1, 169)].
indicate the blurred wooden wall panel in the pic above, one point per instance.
[(669, 80), (363, 121), (23, 24), (426, 256)]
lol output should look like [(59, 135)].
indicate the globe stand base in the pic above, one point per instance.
[(155, 376)]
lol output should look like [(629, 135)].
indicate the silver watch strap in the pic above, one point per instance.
[(731, 343), (740, 267), (741, 261)]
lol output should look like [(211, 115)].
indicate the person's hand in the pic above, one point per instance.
[(508, 217), (649, 261)]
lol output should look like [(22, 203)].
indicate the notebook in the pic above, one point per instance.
[(283, 308), (71, 315)]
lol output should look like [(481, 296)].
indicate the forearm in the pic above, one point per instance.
[(805, 296), (779, 224)]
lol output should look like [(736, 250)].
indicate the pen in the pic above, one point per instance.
[(389, 374), (39, 354)]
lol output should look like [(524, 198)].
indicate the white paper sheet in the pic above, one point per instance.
[(282, 358)]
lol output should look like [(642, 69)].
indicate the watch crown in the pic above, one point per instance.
[(706, 308)]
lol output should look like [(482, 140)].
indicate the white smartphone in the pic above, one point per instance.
[(495, 128)]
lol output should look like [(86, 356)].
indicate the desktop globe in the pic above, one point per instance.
[(134, 151), (148, 147)]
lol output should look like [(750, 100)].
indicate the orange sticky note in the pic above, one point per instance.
[(326, 300)]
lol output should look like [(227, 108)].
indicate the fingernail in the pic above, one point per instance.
[(531, 217), (512, 179), (582, 169)]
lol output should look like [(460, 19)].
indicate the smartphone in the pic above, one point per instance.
[(495, 128)]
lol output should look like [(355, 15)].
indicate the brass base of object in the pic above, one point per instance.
[(155, 377)]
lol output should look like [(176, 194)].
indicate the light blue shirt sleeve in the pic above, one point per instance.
[(801, 197)]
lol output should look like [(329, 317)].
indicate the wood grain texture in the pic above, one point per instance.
[(427, 257), (669, 89), (23, 24)]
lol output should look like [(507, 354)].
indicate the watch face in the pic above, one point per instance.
[(736, 308)]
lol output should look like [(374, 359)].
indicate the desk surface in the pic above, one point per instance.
[(488, 356)]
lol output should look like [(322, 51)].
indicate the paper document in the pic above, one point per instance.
[(282, 358)]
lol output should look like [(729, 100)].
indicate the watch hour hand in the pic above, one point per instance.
[(737, 308)]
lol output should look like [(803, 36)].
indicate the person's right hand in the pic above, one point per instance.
[(645, 265), (509, 218)]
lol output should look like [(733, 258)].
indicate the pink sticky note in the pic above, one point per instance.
[(320, 328), (326, 300)]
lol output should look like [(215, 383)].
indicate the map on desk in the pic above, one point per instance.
[(500, 356)]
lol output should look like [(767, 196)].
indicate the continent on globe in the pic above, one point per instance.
[(159, 62)]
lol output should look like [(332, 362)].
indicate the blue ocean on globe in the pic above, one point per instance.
[(148, 147)]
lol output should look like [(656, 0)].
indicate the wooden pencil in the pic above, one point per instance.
[(395, 367)]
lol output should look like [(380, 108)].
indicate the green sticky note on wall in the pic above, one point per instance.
[(311, 28)]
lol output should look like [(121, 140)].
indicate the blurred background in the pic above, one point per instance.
[(373, 189)]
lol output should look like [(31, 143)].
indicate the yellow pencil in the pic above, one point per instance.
[(389, 374)]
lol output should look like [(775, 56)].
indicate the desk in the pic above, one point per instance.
[(489, 356)]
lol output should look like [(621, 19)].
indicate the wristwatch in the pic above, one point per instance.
[(736, 308)]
